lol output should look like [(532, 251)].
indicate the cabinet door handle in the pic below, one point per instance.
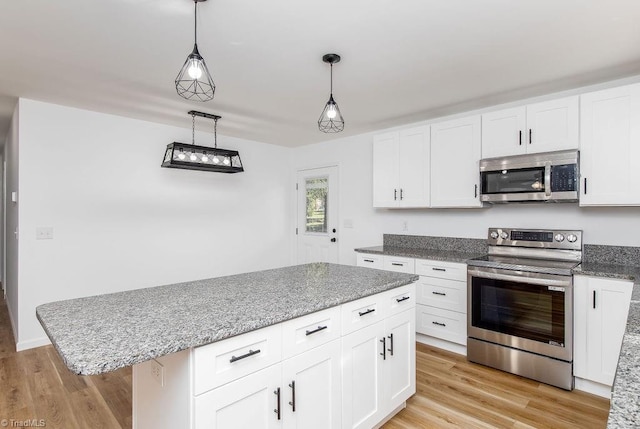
[(401, 197), (438, 269), (594, 299), (369, 260), (520, 140), (439, 293), (404, 298), (397, 264), (292, 385), (391, 344), (369, 310), (585, 186), (530, 135), (475, 191), (318, 329), (246, 355), (277, 410), (439, 323), (384, 348), (395, 194)]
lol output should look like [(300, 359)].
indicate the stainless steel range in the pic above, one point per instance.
[(520, 303)]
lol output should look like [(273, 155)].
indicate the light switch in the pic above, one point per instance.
[(44, 233), (348, 223)]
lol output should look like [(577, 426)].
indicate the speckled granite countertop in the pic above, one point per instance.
[(103, 333), (433, 254)]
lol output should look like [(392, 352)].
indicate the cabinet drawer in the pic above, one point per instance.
[(442, 270), (444, 324), (219, 363), (368, 260), (306, 332), (440, 293), (399, 264), (363, 312), (401, 299)]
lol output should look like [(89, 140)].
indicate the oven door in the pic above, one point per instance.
[(522, 310)]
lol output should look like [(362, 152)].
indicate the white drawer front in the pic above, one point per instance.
[(306, 332), (444, 324), (399, 264), (442, 270), (219, 363), (401, 299), (363, 312), (368, 260), (440, 293)]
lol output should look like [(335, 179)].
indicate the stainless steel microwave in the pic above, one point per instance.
[(539, 177)]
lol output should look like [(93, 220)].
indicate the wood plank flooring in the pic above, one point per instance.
[(451, 393)]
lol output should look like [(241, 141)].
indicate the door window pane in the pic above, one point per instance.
[(316, 191)]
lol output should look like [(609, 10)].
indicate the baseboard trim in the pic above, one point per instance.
[(592, 387), (31, 344), (442, 344)]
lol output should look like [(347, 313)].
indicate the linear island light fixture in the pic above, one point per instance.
[(204, 158)]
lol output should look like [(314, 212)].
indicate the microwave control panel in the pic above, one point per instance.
[(564, 178)]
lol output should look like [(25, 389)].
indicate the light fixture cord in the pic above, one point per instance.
[(331, 80), (215, 133), (195, 22), (193, 129)]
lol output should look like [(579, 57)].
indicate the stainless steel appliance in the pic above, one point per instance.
[(539, 177), (520, 303)]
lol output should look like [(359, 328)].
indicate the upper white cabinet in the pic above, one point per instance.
[(455, 154), (541, 127), (610, 147), (401, 168)]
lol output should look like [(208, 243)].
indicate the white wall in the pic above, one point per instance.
[(612, 226), (121, 222), (11, 221)]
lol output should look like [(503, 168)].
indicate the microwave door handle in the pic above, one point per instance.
[(547, 180)]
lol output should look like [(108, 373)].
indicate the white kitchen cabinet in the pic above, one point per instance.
[(398, 264), (601, 306), (609, 149), (399, 379), (455, 155), (541, 127), (369, 260), (401, 168)]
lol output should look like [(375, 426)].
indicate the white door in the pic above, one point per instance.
[(400, 364), (311, 382), (503, 132), (552, 125), (317, 226)]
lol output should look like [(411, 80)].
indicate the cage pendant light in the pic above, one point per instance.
[(194, 80), (204, 158), (331, 120)]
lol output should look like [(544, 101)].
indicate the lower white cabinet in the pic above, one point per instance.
[(378, 370), (601, 306)]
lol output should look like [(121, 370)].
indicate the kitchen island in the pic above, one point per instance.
[(197, 344)]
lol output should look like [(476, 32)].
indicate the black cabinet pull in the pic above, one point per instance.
[(438, 323), (439, 293), (594, 299), (404, 298), (384, 348), (585, 186), (369, 260), (529, 135), (292, 385), (277, 410), (395, 194), (320, 328), (475, 192), (520, 138), (401, 197), (391, 344), (369, 310), (246, 355), (438, 269), (397, 264)]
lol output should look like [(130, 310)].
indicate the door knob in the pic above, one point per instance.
[(333, 240), (334, 230)]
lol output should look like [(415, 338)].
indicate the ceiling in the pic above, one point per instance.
[(402, 61)]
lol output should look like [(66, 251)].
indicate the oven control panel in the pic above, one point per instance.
[(539, 238)]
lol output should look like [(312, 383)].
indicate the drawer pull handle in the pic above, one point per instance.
[(397, 264), (439, 323), (439, 293), (277, 410), (438, 269), (246, 355), (318, 329), (369, 260), (404, 298), (292, 385), (390, 336), (369, 310), (384, 348)]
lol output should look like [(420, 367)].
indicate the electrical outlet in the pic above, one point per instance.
[(405, 226), (157, 372), (44, 233)]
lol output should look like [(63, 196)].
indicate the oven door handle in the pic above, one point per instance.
[(523, 277)]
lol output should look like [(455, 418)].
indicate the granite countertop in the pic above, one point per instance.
[(103, 333), (433, 254)]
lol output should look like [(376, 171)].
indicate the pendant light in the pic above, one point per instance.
[(331, 120), (204, 158), (194, 80)]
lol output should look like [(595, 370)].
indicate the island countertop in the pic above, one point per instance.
[(98, 334)]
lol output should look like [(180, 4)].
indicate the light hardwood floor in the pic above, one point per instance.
[(451, 393)]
